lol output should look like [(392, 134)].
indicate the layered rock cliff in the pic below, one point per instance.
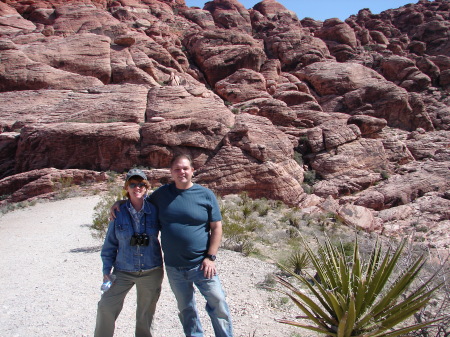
[(258, 97)]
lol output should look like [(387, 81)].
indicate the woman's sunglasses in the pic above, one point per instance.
[(133, 185)]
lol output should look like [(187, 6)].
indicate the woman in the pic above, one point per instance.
[(132, 248)]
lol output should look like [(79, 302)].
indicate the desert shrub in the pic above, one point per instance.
[(247, 247), (63, 188), (292, 217), (100, 220), (251, 225), (9, 207), (298, 158), (384, 175), (298, 261), (309, 177), (307, 188), (293, 232), (438, 307), (261, 206), (269, 282)]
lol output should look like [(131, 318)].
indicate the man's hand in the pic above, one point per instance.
[(115, 207), (209, 268)]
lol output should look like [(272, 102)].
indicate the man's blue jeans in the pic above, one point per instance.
[(182, 282)]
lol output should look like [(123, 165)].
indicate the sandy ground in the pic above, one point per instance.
[(50, 275)]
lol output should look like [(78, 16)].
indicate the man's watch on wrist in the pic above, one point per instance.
[(211, 257)]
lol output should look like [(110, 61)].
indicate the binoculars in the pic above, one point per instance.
[(140, 240)]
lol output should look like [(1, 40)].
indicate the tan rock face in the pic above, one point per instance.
[(256, 96)]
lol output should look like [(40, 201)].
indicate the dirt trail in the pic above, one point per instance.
[(50, 272)]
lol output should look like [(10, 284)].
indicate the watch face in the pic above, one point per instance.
[(212, 257)]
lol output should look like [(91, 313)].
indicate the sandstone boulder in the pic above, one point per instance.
[(358, 217), (83, 54), (368, 125), (112, 103), (350, 167), (243, 85), (435, 34), (296, 49), (199, 16), (12, 23), (362, 154), (99, 147), (426, 219), (233, 170), (423, 145), (182, 102), (417, 180), (273, 109), (339, 37), (259, 138), (78, 18), (220, 53), (229, 14), (38, 183), (273, 10), (19, 72), (160, 140), (403, 72), (363, 91)]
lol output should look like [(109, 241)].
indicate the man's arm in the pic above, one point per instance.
[(115, 207), (208, 266)]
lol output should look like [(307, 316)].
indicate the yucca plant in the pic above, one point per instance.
[(298, 261), (355, 297)]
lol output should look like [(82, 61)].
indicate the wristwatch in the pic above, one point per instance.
[(211, 257)]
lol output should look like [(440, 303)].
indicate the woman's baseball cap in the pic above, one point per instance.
[(135, 173)]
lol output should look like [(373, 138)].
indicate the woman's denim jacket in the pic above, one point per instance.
[(117, 251)]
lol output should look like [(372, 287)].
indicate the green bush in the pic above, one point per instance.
[(298, 158), (100, 221), (309, 177)]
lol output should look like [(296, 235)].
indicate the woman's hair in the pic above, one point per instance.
[(181, 156), (138, 180)]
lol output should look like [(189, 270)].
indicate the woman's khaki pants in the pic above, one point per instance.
[(148, 289)]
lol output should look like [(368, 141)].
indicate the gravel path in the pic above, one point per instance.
[(50, 274)]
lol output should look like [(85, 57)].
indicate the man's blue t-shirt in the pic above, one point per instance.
[(184, 216)]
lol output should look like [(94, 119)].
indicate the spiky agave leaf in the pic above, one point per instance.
[(358, 298)]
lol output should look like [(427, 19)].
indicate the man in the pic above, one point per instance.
[(191, 232)]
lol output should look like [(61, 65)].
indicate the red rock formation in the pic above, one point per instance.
[(34, 183), (106, 85)]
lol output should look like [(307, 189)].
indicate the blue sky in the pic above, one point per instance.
[(324, 9)]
